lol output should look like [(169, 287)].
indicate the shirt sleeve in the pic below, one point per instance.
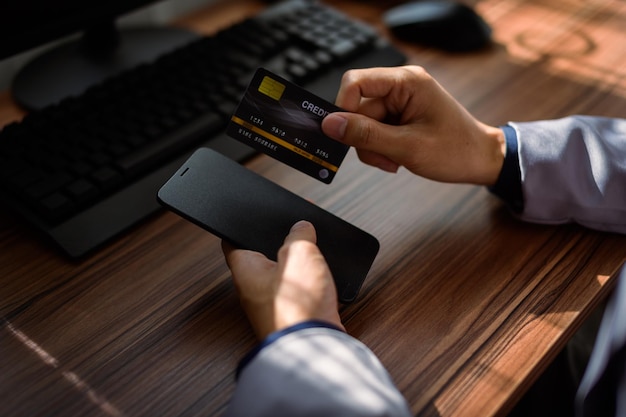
[(277, 335), (316, 371), (572, 170), (509, 184)]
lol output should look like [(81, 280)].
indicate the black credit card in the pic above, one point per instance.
[(283, 121), (252, 212)]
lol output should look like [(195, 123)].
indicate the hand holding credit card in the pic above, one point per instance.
[(283, 121)]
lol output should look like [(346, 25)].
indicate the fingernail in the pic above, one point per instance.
[(388, 166), (334, 126), (299, 225)]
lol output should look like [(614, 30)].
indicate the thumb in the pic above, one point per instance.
[(371, 138), (301, 230)]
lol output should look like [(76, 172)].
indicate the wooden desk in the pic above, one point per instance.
[(465, 305)]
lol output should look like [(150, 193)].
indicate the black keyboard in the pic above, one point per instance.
[(88, 168)]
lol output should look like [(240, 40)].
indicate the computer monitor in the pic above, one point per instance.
[(70, 68)]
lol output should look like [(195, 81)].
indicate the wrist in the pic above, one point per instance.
[(492, 155)]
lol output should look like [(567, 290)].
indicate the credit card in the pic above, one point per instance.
[(283, 120)]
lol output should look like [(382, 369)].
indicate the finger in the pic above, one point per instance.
[(360, 83), (374, 83), (374, 108), (377, 160), (231, 252), (302, 230), (335, 125), (243, 262), (365, 133), (227, 247)]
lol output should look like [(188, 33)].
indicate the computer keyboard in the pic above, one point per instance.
[(88, 168)]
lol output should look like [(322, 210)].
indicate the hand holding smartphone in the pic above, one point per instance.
[(251, 212)]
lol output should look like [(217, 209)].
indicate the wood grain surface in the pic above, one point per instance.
[(465, 305)]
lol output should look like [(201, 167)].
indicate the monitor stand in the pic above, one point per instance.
[(103, 51)]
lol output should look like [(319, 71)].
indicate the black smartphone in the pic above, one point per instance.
[(252, 212)]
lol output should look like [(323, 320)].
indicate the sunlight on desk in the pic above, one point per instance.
[(582, 44), (602, 279), (75, 381)]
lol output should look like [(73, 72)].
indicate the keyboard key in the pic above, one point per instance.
[(47, 185), (55, 206), (82, 190), (107, 177)]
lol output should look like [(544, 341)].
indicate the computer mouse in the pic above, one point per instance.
[(445, 24)]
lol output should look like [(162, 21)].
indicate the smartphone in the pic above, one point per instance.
[(252, 212)]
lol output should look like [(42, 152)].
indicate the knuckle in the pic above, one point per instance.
[(283, 252), (365, 133), (297, 250), (350, 77), (415, 71)]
